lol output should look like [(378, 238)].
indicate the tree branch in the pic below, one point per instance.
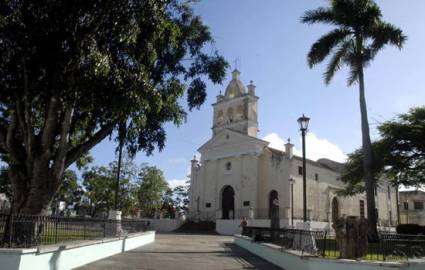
[(30, 137), (10, 140), (50, 124), (59, 163), (77, 151)]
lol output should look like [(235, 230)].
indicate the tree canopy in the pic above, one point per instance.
[(99, 183), (153, 187), (399, 153), (72, 71), (358, 36)]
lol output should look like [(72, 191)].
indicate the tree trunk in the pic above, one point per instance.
[(33, 194), (367, 162)]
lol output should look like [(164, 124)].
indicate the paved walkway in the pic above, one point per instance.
[(184, 252)]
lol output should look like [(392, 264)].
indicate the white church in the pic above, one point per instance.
[(239, 175)]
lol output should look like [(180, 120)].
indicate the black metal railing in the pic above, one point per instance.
[(28, 231), (402, 245), (322, 243)]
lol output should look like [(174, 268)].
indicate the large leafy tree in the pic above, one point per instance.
[(100, 187), (152, 189), (358, 36), (72, 70), (181, 194), (399, 154)]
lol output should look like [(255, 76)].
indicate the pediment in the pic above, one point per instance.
[(230, 143)]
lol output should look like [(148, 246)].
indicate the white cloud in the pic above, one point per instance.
[(275, 141), (316, 148), (176, 182)]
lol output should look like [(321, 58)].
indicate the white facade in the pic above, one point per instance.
[(239, 175)]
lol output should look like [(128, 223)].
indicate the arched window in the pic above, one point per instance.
[(240, 112), (220, 117), (230, 114)]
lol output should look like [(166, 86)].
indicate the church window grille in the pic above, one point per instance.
[(362, 212), (418, 205), (316, 176), (300, 170), (208, 205), (246, 203)]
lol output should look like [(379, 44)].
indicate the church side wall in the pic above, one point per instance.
[(274, 175)]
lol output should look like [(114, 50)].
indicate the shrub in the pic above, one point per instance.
[(410, 229)]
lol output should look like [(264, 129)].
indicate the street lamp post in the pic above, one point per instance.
[(303, 123), (292, 182)]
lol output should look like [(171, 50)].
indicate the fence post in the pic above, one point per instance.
[(324, 245), (300, 240), (10, 230), (56, 230), (381, 249), (84, 228), (104, 228)]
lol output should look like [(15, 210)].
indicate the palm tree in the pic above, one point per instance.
[(358, 36)]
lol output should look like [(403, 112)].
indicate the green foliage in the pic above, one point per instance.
[(69, 191), (72, 71), (399, 154), (404, 147), (353, 173), (100, 185), (358, 36), (410, 229), (152, 189), (181, 194), (168, 209), (99, 189)]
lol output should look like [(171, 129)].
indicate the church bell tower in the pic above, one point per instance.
[(237, 109)]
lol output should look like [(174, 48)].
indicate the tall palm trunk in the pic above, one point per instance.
[(367, 162)]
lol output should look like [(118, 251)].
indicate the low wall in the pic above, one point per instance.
[(70, 255), (231, 226), (291, 259), (164, 224)]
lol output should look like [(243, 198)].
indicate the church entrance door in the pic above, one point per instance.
[(228, 203), (274, 209)]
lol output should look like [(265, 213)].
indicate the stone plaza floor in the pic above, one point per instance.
[(184, 252)]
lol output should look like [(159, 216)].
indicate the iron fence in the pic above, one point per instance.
[(27, 231), (321, 243)]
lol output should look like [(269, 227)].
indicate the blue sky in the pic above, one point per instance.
[(270, 45)]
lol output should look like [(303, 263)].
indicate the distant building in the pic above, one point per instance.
[(239, 175), (412, 207)]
